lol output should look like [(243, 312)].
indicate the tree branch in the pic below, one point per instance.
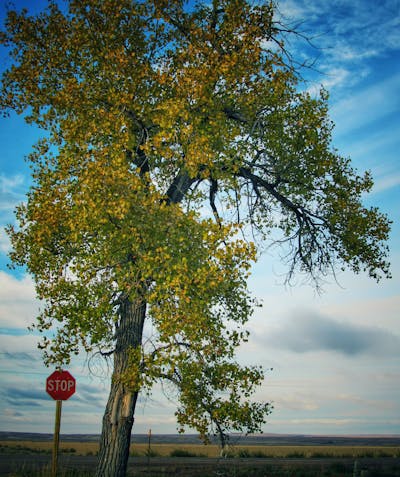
[(212, 195), (259, 181), (179, 187)]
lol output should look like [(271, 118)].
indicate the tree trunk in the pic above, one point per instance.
[(119, 414), (224, 441)]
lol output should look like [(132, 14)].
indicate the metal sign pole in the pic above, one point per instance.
[(56, 439)]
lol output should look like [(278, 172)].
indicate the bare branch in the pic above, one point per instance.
[(212, 195)]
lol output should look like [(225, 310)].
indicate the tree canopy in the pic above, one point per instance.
[(171, 130)]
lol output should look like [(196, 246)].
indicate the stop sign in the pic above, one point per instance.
[(60, 385)]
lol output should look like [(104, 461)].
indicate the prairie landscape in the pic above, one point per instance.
[(211, 451), (23, 455)]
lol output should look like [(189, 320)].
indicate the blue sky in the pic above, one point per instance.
[(335, 356)]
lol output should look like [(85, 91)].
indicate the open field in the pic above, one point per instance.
[(198, 450), (184, 456)]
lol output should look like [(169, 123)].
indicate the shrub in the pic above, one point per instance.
[(259, 454), (151, 453), (320, 455), (182, 453), (244, 454), (296, 455), (67, 450)]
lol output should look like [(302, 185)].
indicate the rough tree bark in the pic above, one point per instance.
[(119, 414)]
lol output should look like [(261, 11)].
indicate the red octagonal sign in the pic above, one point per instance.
[(60, 385)]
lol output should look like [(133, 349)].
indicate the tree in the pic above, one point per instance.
[(154, 113), (203, 404)]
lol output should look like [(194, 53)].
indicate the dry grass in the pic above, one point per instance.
[(81, 448), (88, 448)]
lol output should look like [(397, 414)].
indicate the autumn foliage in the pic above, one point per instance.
[(171, 130)]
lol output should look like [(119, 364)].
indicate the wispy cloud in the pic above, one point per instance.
[(11, 191), (20, 397), (90, 394), (367, 106), (357, 25), (12, 415), (345, 33), (296, 402), (336, 76), (327, 421), (386, 181)]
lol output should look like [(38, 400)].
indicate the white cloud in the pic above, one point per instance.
[(297, 402), (358, 401), (330, 79), (368, 311), (18, 303), (12, 288), (348, 53), (325, 421), (336, 76), (12, 347), (9, 184), (5, 243)]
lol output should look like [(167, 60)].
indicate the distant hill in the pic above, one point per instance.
[(263, 439)]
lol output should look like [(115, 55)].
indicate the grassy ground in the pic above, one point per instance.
[(336, 469), (198, 450), (301, 461)]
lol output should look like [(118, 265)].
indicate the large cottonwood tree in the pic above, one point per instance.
[(170, 129)]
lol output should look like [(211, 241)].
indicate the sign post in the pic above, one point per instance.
[(56, 440), (60, 385)]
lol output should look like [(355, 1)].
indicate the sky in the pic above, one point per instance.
[(335, 355)]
